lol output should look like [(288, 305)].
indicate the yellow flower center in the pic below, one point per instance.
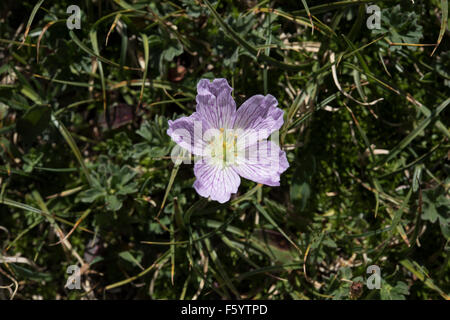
[(223, 147)]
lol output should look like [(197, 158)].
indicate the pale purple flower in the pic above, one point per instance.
[(229, 143)]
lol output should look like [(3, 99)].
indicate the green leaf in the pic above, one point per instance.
[(91, 195), (128, 256), (33, 122), (418, 130), (73, 146), (113, 203), (388, 292), (300, 190), (3, 110), (436, 207), (444, 21), (401, 26), (25, 273), (249, 47)]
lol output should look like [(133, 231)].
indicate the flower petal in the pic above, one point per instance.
[(215, 181), (215, 105), (262, 162), (187, 133), (260, 114)]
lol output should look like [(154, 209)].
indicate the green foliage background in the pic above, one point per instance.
[(86, 176)]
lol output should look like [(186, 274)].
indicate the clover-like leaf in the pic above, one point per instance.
[(436, 207), (401, 26), (111, 184), (397, 292), (157, 143)]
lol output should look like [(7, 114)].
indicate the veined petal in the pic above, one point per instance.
[(262, 162), (215, 105), (260, 115), (215, 181), (187, 132), (232, 144)]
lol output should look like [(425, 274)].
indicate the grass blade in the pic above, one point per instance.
[(444, 20), (73, 146), (30, 21), (418, 130), (250, 48)]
